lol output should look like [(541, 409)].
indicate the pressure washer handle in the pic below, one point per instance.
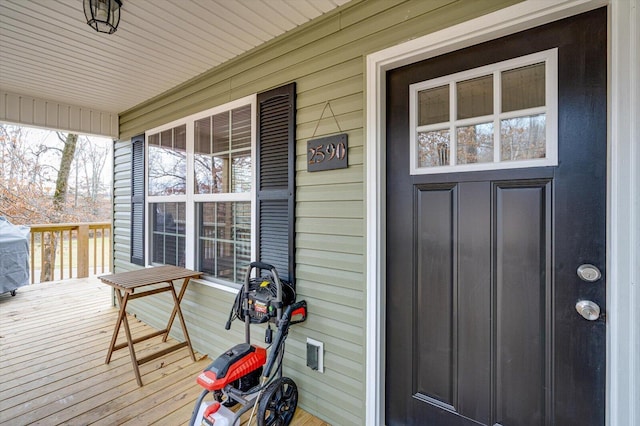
[(296, 310), (261, 265), (293, 311)]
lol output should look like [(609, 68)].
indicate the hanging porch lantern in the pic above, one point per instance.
[(103, 15)]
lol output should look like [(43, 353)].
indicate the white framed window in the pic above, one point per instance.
[(216, 189), (200, 201), (499, 116)]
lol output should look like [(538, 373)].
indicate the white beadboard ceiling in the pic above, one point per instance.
[(48, 51)]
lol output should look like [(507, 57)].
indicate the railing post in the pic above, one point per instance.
[(79, 251), (83, 250)]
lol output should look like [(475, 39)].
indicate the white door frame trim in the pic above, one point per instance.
[(623, 252)]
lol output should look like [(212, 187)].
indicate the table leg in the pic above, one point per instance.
[(122, 319), (176, 309), (121, 314), (173, 313), (134, 360)]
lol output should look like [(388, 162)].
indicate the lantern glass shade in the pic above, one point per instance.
[(103, 15)]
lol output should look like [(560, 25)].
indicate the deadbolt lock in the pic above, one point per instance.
[(589, 273)]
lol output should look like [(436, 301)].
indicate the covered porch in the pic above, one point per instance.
[(342, 60), (53, 341)]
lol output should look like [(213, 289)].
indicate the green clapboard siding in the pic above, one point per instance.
[(326, 59)]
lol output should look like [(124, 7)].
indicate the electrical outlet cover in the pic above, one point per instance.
[(312, 356), (315, 355)]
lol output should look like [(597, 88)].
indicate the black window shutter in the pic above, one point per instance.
[(275, 167), (137, 200)]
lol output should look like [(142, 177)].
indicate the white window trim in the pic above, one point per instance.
[(623, 395), (550, 59), (191, 199)]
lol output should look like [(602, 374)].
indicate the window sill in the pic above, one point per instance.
[(223, 286)]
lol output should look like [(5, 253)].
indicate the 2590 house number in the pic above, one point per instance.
[(327, 153)]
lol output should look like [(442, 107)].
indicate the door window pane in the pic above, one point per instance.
[(505, 116), (433, 148), (475, 144), (523, 87), (523, 138), (433, 105), (475, 97)]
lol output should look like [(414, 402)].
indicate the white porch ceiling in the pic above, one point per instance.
[(47, 50)]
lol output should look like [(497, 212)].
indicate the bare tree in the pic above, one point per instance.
[(90, 162), (24, 176), (36, 178), (62, 181), (49, 240)]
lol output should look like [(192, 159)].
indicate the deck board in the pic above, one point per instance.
[(53, 343)]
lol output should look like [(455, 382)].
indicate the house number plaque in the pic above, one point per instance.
[(327, 153)]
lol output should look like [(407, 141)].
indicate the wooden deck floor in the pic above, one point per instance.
[(53, 342)]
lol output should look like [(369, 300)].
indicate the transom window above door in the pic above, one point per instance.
[(500, 116)]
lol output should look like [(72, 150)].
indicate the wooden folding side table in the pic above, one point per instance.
[(127, 283)]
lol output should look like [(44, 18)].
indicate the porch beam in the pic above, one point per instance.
[(27, 110)]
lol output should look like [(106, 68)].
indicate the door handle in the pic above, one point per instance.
[(588, 309)]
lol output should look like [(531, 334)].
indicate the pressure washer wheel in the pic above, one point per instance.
[(278, 403)]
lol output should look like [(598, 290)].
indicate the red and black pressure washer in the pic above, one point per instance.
[(243, 374)]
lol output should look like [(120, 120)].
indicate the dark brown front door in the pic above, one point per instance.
[(482, 326)]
